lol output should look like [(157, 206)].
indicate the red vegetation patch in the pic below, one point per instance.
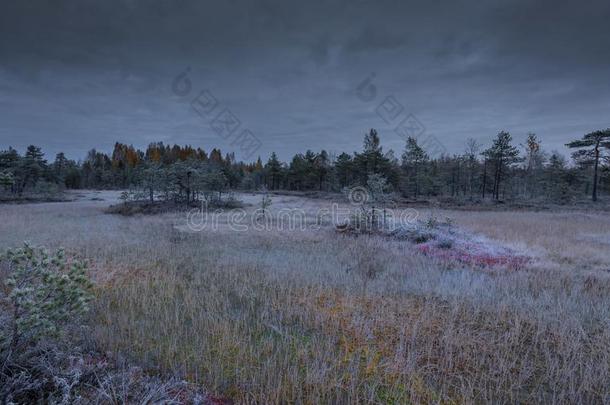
[(473, 258)]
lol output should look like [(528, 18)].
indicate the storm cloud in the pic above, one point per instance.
[(75, 75)]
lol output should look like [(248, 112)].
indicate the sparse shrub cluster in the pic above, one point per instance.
[(370, 215), (184, 182), (178, 186)]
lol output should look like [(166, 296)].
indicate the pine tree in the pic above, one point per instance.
[(594, 142), (556, 180), (502, 155), (321, 167), (344, 167), (151, 178), (371, 160), (414, 159), (273, 169)]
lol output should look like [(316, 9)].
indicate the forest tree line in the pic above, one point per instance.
[(502, 170)]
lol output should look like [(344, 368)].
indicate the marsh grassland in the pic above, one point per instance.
[(303, 316)]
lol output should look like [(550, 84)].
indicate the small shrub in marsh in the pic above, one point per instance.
[(361, 221), (125, 196), (42, 296), (43, 292), (265, 204), (434, 223)]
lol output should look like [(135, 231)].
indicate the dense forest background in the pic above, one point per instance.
[(501, 171)]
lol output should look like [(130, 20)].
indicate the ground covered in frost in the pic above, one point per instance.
[(448, 243)]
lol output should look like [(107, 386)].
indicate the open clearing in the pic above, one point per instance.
[(289, 315)]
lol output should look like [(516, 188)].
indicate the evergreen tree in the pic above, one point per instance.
[(590, 151), (151, 177), (557, 180), (321, 167), (344, 167), (414, 160), (273, 169), (372, 159), (33, 166), (502, 155), (9, 159)]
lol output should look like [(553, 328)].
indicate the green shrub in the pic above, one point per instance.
[(43, 293)]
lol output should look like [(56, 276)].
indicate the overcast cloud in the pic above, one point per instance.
[(76, 75)]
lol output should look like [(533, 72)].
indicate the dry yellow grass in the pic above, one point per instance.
[(277, 317), (576, 239)]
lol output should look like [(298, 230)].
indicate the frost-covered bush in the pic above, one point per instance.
[(126, 196), (42, 295), (371, 215), (43, 292), (265, 204)]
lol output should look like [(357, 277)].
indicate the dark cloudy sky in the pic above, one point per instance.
[(81, 74)]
